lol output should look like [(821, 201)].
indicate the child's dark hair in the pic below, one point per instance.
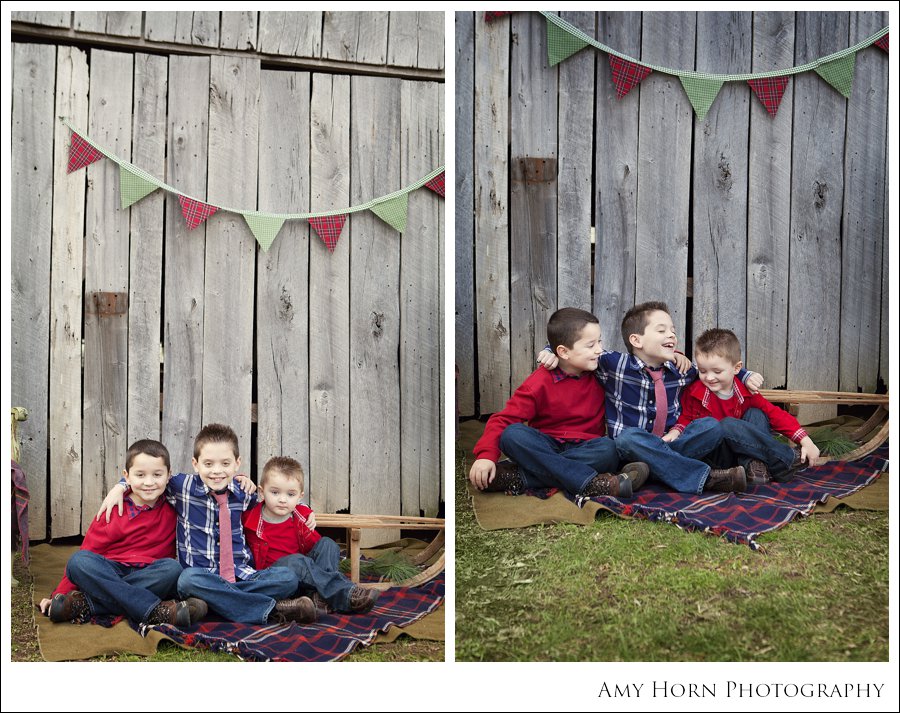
[(284, 465), (565, 325), (636, 319), (148, 447), (721, 342), (216, 433)]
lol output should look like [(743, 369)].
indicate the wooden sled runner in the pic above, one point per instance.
[(354, 524), (869, 436)]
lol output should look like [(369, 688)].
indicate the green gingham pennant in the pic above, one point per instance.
[(839, 73), (393, 211), (561, 44), (264, 228), (701, 92), (133, 187)]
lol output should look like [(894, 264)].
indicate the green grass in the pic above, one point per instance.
[(629, 590)]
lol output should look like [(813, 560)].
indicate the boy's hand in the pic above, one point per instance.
[(311, 521), (671, 435), (482, 473), (546, 359), (754, 382), (44, 606), (683, 364), (247, 485), (115, 498), (809, 451)]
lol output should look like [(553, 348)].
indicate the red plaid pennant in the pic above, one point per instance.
[(769, 90), (491, 16), (626, 74), (195, 212), (437, 184), (81, 154), (883, 43), (329, 229)]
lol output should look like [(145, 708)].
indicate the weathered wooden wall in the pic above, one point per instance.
[(338, 355), (772, 227)]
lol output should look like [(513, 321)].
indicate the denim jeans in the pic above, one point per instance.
[(248, 601), (678, 464), (545, 462), (115, 588), (751, 437), (318, 571)]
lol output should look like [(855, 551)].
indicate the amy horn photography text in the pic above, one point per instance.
[(734, 689)]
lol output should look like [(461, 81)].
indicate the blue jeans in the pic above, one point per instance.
[(248, 601), (318, 571), (751, 437), (115, 588), (545, 462), (677, 464)]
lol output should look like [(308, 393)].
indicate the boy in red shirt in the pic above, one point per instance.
[(746, 418), (564, 444), (127, 565), (280, 532)]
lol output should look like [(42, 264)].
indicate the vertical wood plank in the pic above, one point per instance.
[(403, 39), (465, 210), (329, 299), (295, 34), (124, 24), (421, 150), (238, 31), (769, 205), (205, 29), (147, 219), (883, 363), (185, 250), (431, 40), (106, 271), (664, 149), (820, 115), (616, 134), (85, 21), (724, 45), (374, 311), (32, 131), (159, 26), (533, 193), (862, 225), (230, 247), (67, 272), (576, 149), (491, 216), (355, 36), (44, 18), (282, 315)]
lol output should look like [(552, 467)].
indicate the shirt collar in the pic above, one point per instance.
[(132, 509), (558, 375), (641, 365)]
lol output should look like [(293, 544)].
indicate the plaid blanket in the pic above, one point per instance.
[(742, 517), (330, 638)]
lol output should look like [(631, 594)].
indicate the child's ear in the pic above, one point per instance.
[(237, 462), (738, 366), (562, 351), (635, 340), (194, 464), (124, 472)]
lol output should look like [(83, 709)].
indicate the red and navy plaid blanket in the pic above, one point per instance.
[(743, 517)]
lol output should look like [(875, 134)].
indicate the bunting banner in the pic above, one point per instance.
[(136, 184), (702, 88)]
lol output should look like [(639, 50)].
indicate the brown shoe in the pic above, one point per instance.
[(608, 484), (300, 609), (178, 613), (637, 473), (362, 599), (506, 479), (731, 480), (322, 606), (70, 607), (757, 473)]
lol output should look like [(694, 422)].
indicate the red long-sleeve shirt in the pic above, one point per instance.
[(270, 541), (553, 402), (697, 401)]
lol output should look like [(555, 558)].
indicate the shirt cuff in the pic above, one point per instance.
[(799, 435)]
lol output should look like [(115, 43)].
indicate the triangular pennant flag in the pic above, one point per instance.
[(626, 74), (883, 43), (264, 228), (769, 90), (133, 187), (329, 228), (437, 184), (561, 44), (81, 154), (702, 92), (491, 16), (393, 211), (839, 73), (195, 212)]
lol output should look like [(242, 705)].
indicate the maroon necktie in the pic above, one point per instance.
[(226, 554), (662, 404)]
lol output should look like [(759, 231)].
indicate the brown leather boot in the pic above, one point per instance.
[(637, 473), (178, 613), (69, 607), (731, 480), (757, 473), (608, 484), (506, 479), (362, 599), (300, 609)]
